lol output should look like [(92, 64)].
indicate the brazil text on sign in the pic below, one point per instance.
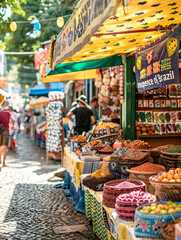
[(158, 65)]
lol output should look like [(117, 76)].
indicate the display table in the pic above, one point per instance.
[(74, 166), (106, 224)]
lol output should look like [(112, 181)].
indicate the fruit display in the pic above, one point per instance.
[(145, 129), (126, 204), (172, 176), (168, 208), (149, 218)]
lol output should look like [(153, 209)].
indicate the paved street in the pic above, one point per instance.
[(29, 204)]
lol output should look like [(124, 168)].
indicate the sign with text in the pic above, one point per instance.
[(158, 65), (88, 16)]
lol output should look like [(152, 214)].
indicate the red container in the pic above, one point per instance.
[(111, 192)]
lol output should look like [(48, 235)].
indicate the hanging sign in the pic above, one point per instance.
[(158, 65), (88, 16)]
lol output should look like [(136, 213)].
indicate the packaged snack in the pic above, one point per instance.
[(140, 103), (179, 116), (167, 117), (148, 116), (173, 117), (145, 103), (163, 128), (168, 104), (151, 103), (156, 117), (157, 103), (179, 103), (163, 103), (162, 117), (142, 117), (174, 103)]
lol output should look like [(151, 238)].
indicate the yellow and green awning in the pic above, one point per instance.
[(125, 30)]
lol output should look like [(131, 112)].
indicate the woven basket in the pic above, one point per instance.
[(170, 160), (151, 222), (144, 176), (111, 192), (165, 190), (165, 234), (118, 165), (155, 153)]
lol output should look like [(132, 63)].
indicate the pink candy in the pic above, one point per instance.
[(126, 184), (139, 197)]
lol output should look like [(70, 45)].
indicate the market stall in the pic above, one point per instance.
[(123, 180)]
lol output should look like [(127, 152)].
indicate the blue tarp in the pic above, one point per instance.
[(41, 90)]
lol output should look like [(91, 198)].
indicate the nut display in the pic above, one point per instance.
[(145, 129)]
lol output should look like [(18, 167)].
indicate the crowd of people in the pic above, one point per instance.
[(81, 118)]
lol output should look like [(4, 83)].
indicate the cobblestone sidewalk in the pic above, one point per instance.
[(29, 204)]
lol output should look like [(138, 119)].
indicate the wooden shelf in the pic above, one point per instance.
[(160, 136)]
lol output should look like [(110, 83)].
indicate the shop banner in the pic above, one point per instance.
[(158, 65), (88, 16)]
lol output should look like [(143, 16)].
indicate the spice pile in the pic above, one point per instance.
[(132, 154), (125, 184), (107, 149), (95, 144), (148, 167), (138, 144), (174, 149)]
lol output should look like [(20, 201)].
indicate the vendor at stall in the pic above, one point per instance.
[(83, 116)]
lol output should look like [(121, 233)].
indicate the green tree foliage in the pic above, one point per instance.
[(24, 39), (9, 5)]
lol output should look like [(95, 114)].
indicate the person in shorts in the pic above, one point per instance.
[(14, 129), (5, 118)]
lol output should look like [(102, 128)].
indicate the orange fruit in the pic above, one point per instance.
[(159, 178), (172, 180), (177, 176), (171, 172), (178, 180), (164, 175), (165, 180), (170, 176), (178, 170)]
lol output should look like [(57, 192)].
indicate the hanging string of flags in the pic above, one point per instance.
[(37, 23)]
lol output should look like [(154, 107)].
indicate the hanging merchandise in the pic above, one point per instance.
[(13, 26), (54, 118), (60, 22)]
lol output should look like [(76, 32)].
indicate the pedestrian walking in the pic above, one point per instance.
[(14, 129), (5, 118), (28, 121)]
